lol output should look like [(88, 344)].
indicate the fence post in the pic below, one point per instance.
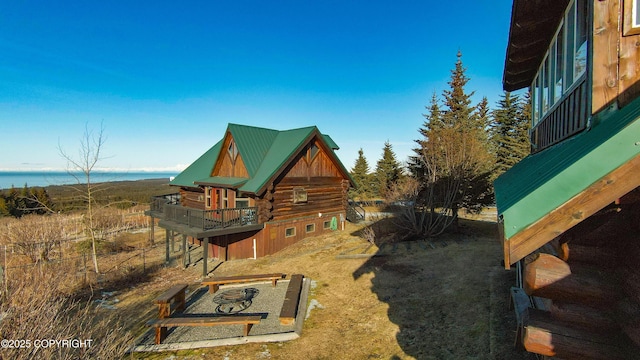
[(6, 273), (166, 244), (184, 250), (84, 262), (152, 234)]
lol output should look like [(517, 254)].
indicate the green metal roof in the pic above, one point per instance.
[(544, 181), (264, 152), (286, 144), (253, 144), (199, 169)]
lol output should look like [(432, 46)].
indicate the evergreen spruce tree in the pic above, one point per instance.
[(362, 178), (455, 156), (510, 131), (458, 110), (483, 119), (433, 119), (388, 171)]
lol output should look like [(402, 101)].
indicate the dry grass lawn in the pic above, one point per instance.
[(450, 302)]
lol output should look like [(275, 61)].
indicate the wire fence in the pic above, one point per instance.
[(78, 269)]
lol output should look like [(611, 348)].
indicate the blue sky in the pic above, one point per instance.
[(166, 77)]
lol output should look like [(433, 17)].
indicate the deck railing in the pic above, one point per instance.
[(567, 118), (203, 219)]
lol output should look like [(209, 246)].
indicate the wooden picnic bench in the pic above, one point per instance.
[(161, 325), (291, 299), (215, 282), (175, 294)]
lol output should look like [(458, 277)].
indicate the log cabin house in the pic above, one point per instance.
[(255, 192), (569, 213)]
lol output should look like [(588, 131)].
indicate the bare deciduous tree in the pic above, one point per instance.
[(82, 168)]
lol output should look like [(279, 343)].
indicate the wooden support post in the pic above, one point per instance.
[(189, 248), (166, 243), (184, 251), (153, 231), (173, 242), (205, 255)]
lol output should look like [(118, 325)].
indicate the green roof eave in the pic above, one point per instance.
[(544, 181), (199, 169), (329, 141), (223, 182)]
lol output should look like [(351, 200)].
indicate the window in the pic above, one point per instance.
[(310, 228), (558, 66), (207, 197), (241, 201), (545, 86), (631, 25), (289, 232), (535, 98), (326, 225), (299, 195), (313, 151), (223, 200), (232, 150), (580, 64), (565, 62)]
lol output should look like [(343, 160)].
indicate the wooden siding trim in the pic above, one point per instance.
[(601, 193), (606, 34), (298, 155), (227, 167)]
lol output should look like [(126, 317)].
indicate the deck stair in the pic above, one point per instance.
[(355, 212)]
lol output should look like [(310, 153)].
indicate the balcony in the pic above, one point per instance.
[(565, 119), (202, 223)]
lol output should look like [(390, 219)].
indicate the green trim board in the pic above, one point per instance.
[(544, 181)]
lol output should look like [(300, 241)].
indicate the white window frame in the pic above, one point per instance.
[(286, 230), (238, 198)]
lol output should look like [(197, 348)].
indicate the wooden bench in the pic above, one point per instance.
[(291, 299), (176, 294), (215, 282), (161, 325)]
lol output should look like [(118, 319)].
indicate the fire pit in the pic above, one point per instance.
[(234, 300)]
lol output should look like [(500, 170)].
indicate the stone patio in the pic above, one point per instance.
[(267, 302)]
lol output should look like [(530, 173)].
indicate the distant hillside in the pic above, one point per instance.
[(125, 193)]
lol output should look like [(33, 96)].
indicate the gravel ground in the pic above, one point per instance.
[(267, 302)]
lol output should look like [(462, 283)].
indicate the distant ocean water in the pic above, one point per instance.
[(46, 178)]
